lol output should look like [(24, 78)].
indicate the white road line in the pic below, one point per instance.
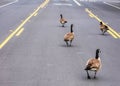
[(62, 4), (9, 4), (77, 2), (114, 1), (112, 5)]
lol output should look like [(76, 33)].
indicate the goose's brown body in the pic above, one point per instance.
[(62, 20), (93, 64), (68, 37), (103, 27)]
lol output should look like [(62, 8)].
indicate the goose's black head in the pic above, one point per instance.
[(101, 23), (98, 50)]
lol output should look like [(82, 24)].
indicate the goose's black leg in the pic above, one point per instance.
[(95, 74), (105, 31), (102, 31), (62, 25), (88, 76), (70, 42), (66, 43)]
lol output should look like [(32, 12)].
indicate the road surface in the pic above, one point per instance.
[(33, 52)]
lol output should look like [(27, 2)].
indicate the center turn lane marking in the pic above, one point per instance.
[(110, 31), (22, 24)]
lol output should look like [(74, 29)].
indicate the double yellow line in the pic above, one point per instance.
[(110, 31), (19, 29)]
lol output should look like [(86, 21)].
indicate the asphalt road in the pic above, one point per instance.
[(39, 56)]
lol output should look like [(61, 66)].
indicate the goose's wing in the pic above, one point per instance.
[(93, 64), (69, 36), (62, 20), (102, 26)]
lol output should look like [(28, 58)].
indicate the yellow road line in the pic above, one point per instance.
[(44, 3), (23, 23), (117, 34), (91, 16), (90, 13), (112, 34), (110, 31), (20, 31), (36, 14)]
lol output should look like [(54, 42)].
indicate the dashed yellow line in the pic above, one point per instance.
[(90, 13), (22, 24), (36, 14), (110, 31), (20, 31), (91, 16)]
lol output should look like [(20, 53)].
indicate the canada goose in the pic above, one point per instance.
[(103, 28), (93, 64), (69, 36), (62, 20)]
